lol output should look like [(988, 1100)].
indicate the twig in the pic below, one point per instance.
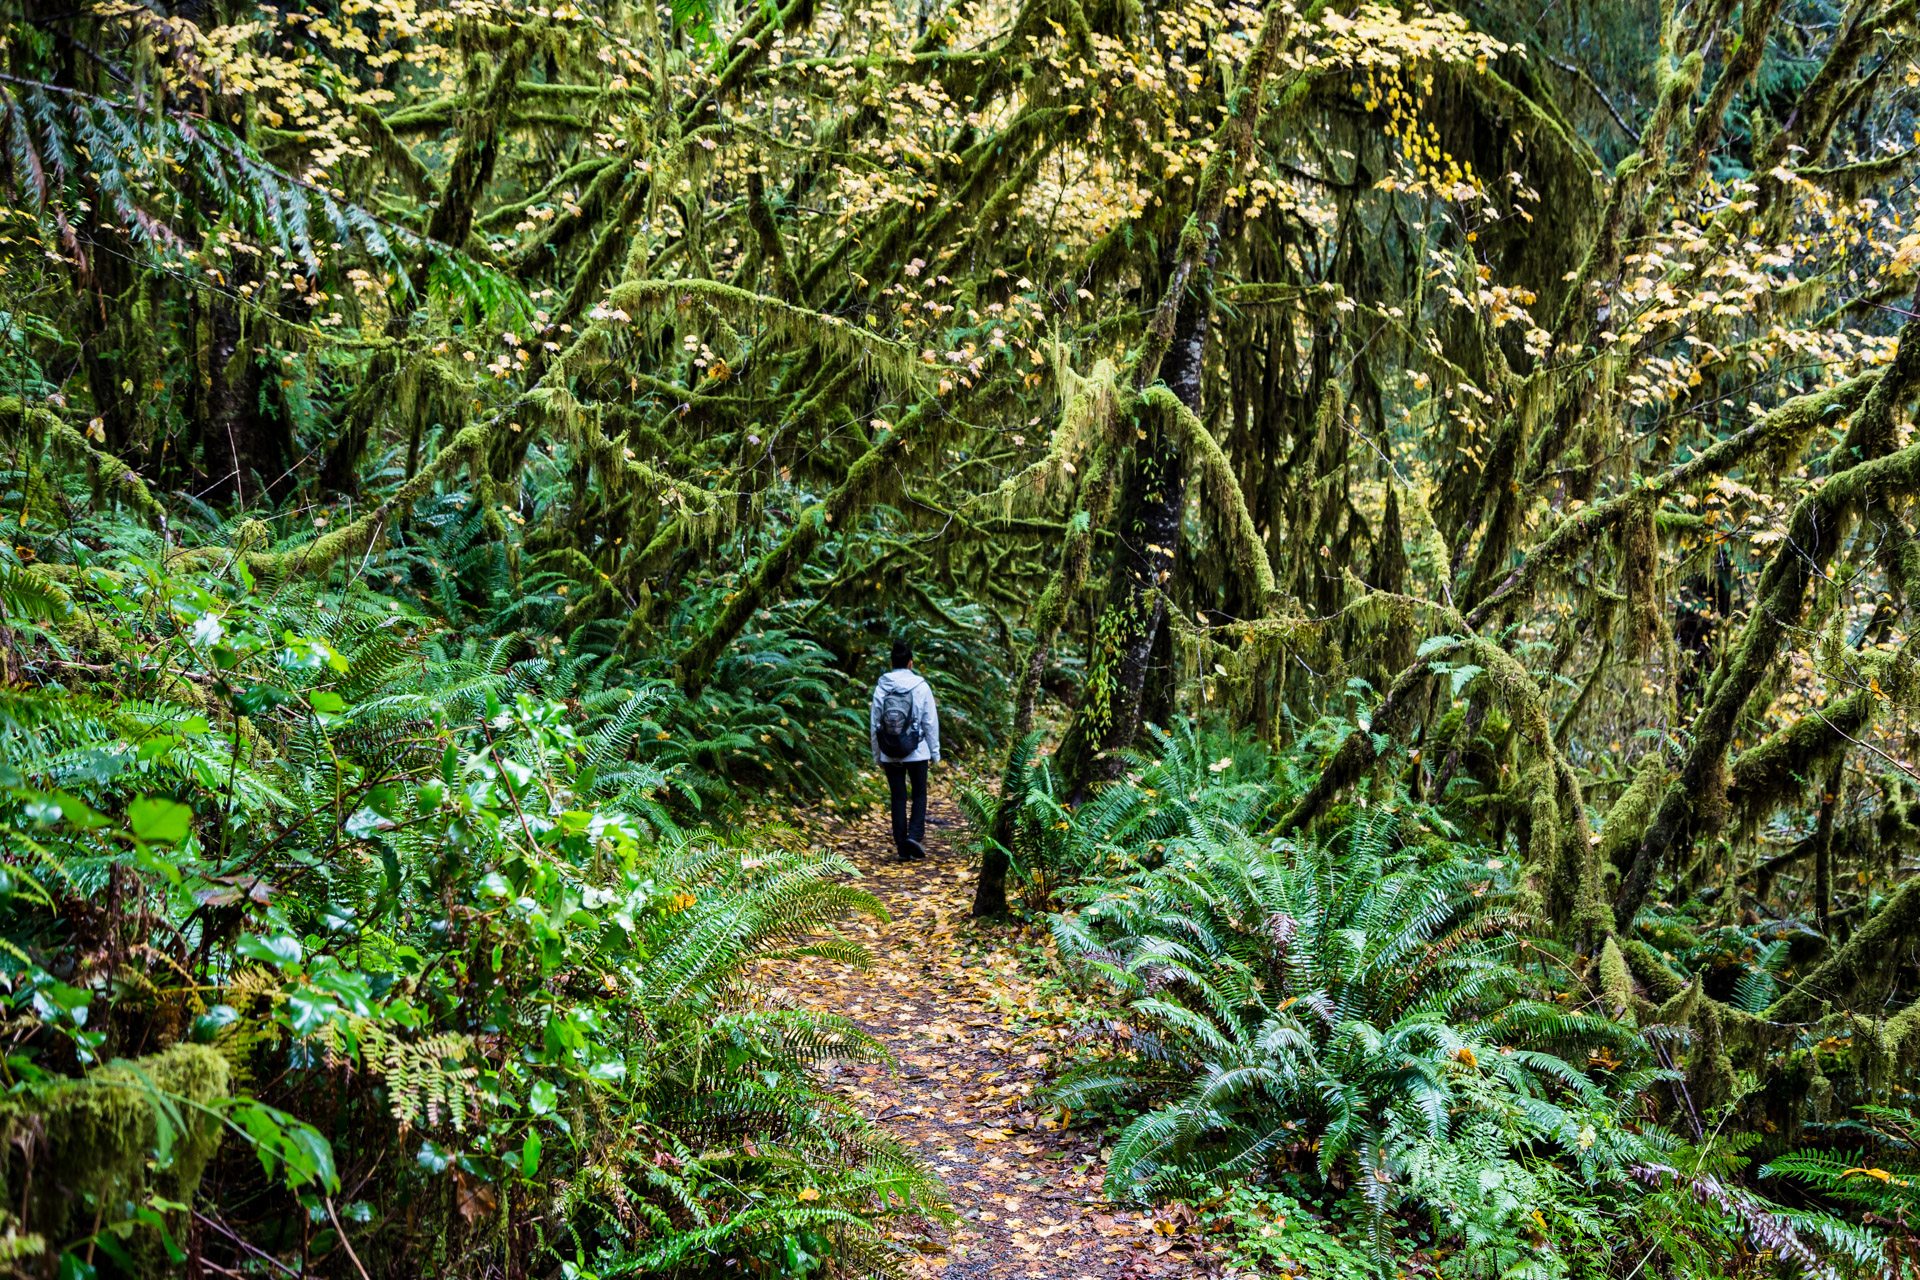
[(1865, 746), (1597, 92), (268, 1258), (344, 1242)]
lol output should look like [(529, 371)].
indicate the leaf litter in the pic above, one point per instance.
[(976, 1040)]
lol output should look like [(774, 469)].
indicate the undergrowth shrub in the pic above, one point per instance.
[(1203, 785), (445, 908), (1365, 1018)]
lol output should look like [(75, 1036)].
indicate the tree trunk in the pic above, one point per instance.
[(245, 447), (1151, 507)]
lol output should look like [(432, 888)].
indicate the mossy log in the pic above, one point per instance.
[(83, 1152)]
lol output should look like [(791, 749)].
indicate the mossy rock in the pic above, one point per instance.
[(75, 1148)]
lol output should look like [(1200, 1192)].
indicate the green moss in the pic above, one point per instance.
[(109, 477), (83, 1148), (1667, 936), (1615, 982), (1626, 820), (1645, 964)]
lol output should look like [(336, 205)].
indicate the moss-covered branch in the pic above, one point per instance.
[(1249, 554), (1781, 434), (1815, 534), (778, 566), (1839, 979)]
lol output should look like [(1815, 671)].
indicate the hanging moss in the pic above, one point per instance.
[(896, 365), (1786, 428), (111, 479), (1639, 578), (1249, 554), (1780, 769), (1711, 1079), (1695, 804)]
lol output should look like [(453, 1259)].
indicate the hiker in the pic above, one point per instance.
[(906, 738)]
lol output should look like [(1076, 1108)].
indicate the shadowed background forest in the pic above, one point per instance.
[(1407, 511)]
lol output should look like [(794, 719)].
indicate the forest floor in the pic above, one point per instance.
[(977, 1027)]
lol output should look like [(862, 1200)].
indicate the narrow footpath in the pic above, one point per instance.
[(973, 1028)]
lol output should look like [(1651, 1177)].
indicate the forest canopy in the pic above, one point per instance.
[(1406, 509)]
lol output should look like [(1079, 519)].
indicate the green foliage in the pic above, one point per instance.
[(1697, 1213), (1859, 1178), (1366, 1018), (453, 938), (460, 459), (1366, 994), (1203, 786), (1270, 1233)]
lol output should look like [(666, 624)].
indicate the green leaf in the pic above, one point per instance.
[(279, 952), (309, 1013), (161, 821), (208, 1025), (78, 812), (530, 1156), (53, 998)]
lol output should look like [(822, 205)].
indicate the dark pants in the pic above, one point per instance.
[(905, 828)]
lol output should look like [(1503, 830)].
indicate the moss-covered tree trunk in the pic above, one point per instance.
[(1134, 610)]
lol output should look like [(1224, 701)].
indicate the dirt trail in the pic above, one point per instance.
[(974, 1046)]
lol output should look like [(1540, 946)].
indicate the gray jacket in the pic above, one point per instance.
[(928, 715)]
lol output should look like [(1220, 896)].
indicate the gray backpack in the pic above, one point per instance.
[(899, 734)]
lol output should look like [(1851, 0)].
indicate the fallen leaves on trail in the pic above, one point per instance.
[(975, 1037)]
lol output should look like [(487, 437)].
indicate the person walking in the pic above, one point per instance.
[(905, 735)]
